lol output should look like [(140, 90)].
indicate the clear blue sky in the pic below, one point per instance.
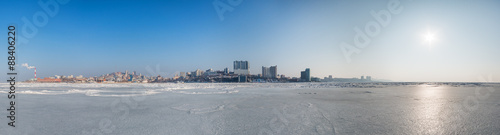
[(102, 36)]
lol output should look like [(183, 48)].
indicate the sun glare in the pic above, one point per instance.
[(429, 38)]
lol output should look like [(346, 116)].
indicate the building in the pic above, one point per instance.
[(197, 73), (241, 67), (210, 72), (305, 76), (347, 80), (369, 78), (265, 72), (274, 71), (183, 74), (176, 77), (242, 78), (270, 72), (328, 79), (302, 76), (48, 80)]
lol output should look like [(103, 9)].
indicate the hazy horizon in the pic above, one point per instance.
[(423, 41)]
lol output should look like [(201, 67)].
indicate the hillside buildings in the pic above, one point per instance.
[(241, 73)]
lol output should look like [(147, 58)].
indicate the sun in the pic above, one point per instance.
[(429, 37)]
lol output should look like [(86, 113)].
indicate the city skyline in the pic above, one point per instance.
[(240, 74), (423, 41), (266, 72)]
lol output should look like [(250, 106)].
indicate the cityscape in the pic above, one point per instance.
[(240, 73), (250, 67)]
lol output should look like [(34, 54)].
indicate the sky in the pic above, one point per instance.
[(427, 40)]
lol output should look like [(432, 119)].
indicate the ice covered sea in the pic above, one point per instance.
[(269, 108)]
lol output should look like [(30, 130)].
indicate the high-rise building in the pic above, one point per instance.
[(270, 72), (209, 70), (369, 78), (197, 73), (362, 77), (274, 71), (305, 75), (241, 67), (183, 74), (226, 71), (265, 72)]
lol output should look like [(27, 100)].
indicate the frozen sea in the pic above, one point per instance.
[(264, 108)]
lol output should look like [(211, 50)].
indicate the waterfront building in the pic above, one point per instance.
[(305, 76), (270, 72), (241, 67)]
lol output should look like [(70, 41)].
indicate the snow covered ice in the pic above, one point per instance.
[(253, 108)]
